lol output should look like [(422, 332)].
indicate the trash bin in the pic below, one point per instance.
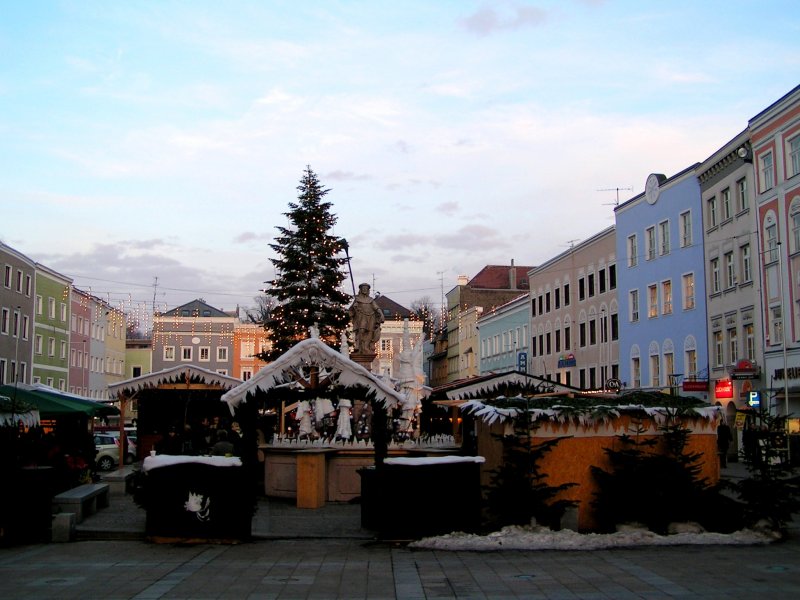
[(410, 498), (196, 499)]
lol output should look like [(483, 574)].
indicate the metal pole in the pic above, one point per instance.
[(784, 320)]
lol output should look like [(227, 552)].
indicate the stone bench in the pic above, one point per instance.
[(83, 500)]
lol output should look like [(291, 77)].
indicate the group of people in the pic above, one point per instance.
[(209, 437)]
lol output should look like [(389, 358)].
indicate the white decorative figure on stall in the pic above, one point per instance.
[(304, 416), (322, 408), (200, 505), (344, 430), (409, 382)]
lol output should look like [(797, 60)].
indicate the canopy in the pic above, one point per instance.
[(51, 402)]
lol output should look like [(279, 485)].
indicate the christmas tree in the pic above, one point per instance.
[(306, 288)]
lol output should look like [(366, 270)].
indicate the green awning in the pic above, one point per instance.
[(52, 403)]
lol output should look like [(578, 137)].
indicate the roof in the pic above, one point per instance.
[(395, 310), (496, 277), (177, 374), (313, 352), (484, 385), (51, 402), (195, 308)]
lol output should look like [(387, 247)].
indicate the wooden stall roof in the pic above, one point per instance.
[(178, 377), (315, 353)]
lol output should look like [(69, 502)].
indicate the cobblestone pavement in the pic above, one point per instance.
[(329, 568), (325, 554)]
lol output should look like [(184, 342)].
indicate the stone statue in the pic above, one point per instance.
[(366, 317)]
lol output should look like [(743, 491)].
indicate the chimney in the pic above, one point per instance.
[(463, 280), (512, 276)]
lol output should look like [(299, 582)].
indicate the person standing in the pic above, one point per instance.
[(724, 439)]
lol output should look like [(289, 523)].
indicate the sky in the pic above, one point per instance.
[(149, 149)]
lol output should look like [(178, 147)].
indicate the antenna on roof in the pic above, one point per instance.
[(571, 243), (616, 189)]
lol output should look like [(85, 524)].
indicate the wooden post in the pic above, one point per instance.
[(310, 479)]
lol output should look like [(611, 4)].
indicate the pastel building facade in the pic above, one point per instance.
[(504, 343), (51, 329), (662, 287), (17, 308), (574, 314), (733, 305), (775, 139)]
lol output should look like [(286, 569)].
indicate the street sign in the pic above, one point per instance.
[(522, 362)]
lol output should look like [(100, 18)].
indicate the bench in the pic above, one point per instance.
[(83, 500)]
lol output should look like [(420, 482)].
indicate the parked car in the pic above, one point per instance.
[(107, 447)]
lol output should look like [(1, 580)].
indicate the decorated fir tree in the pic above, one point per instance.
[(308, 267)]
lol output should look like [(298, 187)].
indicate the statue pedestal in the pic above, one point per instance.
[(364, 359)]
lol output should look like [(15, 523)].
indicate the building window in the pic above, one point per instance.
[(650, 242), (691, 363), (730, 271), (633, 301), (601, 281), (726, 204), (733, 346), (205, 354), (566, 294), (567, 338), (741, 193), (5, 321), (652, 301), (712, 211), (688, 291), (222, 353), (747, 268), (247, 374), (557, 297), (591, 284), (663, 232), (714, 273), (169, 352), (655, 370), (558, 340), (750, 341), (772, 243), (186, 353), (63, 354), (51, 308), (546, 303), (636, 373), (386, 344), (582, 335), (7, 278), (28, 285), (777, 326), (612, 277), (794, 156), (719, 359), (581, 289), (666, 297), (19, 281), (614, 327), (37, 344), (51, 346), (633, 259), (766, 168), (592, 332), (796, 228), (533, 307), (63, 313), (686, 229)]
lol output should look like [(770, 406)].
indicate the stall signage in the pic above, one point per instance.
[(522, 362), (723, 388)]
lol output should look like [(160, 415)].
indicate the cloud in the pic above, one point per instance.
[(250, 236), (389, 242), (346, 176), (473, 238), (448, 208), (488, 20)]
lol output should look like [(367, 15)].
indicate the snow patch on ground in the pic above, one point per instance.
[(538, 538)]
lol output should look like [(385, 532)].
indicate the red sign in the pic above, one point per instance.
[(695, 385), (723, 388)]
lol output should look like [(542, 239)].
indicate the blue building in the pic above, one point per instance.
[(661, 286), (504, 336)]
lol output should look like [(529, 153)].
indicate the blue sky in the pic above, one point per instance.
[(165, 139)]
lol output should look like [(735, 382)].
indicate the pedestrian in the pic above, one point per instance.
[(724, 439)]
